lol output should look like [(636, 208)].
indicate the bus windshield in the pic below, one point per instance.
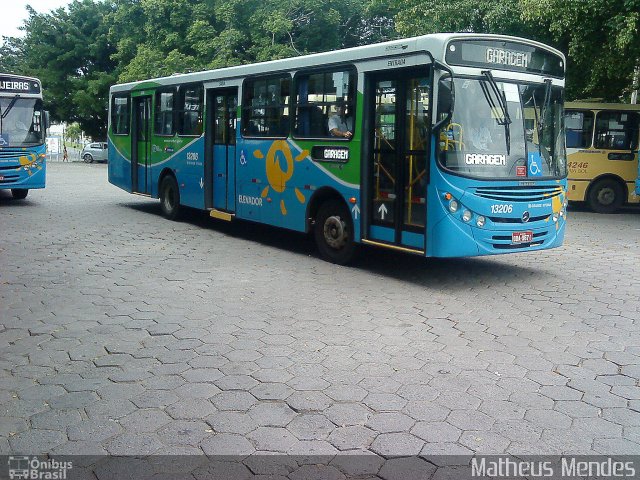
[(504, 130), (20, 121)]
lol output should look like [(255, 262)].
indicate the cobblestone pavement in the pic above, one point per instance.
[(124, 333)]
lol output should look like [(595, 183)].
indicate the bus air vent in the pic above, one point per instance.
[(519, 194)]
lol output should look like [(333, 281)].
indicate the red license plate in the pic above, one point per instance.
[(521, 237)]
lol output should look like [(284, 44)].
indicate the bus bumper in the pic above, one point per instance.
[(22, 173), (471, 240)]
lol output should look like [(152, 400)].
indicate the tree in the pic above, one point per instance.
[(73, 132), (68, 49), (602, 39)]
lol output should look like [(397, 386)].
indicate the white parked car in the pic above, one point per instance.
[(94, 152)]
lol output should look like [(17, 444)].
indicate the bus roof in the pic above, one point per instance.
[(601, 106), (435, 44)]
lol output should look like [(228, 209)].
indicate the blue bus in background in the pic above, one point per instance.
[(23, 125), (443, 145)]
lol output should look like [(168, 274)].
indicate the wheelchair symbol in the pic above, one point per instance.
[(243, 158), (534, 169)]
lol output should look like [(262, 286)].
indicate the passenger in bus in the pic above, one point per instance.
[(339, 124)]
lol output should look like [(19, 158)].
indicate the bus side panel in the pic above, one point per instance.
[(185, 158), (119, 161), (275, 180), (588, 164)]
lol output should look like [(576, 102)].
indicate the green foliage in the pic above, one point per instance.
[(73, 132), (601, 37), (80, 50)]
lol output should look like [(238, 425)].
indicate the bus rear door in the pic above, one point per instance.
[(397, 163)]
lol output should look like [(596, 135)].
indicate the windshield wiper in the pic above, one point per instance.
[(540, 120), (498, 106), (4, 114)]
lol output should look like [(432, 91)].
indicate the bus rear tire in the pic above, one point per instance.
[(333, 232), (170, 197), (605, 196), (19, 193)]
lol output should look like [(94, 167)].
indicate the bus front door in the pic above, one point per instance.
[(222, 105), (141, 146), (397, 166)]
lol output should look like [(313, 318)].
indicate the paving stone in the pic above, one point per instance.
[(351, 437), (232, 422), (272, 414), (436, 432), (234, 400), (272, 391), (55, 419), (345, 414), (311, 427), (145, 420), (227, 444), (397, 445), (155, 399), (142, 444), (36, 441), (184, 432), (272, 439), (93, 430), (390, 422), (309, 401)]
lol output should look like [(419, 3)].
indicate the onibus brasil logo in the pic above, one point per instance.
[(34, 468)]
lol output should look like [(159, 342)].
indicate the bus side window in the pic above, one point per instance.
[(265, 106), (190, 106), (616, 130), (120, 112), (164, 113), (579, 128), (317, 97)]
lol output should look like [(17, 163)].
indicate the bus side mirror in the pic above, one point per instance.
[(446, 101)]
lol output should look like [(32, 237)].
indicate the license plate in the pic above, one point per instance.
[(521, 237)]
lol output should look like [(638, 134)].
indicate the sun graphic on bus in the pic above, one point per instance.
[(280, 153)]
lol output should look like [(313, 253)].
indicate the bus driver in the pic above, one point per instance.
[(340, 125)]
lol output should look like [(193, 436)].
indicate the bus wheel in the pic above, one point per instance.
[(170, 197), (605, 196), (19, 193), (333, 232)]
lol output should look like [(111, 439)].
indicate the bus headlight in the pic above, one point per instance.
[(453, 206), (480, 221), (466, 215), (555, 217)]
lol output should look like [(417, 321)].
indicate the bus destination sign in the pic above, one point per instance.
[(330, 154), (503, 55), (19, 85)]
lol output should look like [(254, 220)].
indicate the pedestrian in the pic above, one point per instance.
[(65, 156)]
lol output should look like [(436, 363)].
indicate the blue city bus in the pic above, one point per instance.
[(23, 125), (443, 145)]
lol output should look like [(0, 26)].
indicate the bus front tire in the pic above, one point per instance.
[(19, 193), (605, 196), (170, 197), (333, 232)]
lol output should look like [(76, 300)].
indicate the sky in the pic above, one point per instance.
[(14, 12)]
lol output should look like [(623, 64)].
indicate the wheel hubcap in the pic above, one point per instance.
[(335, 233), (606, 196)]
